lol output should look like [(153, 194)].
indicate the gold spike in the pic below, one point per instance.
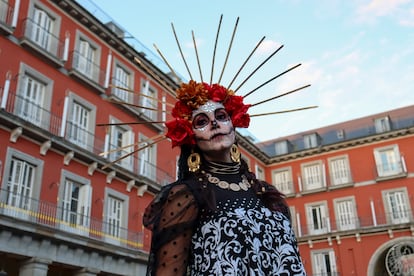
[(131, 145), (283, 111), (166, 62), (245, 62), (272, 79), (149, 71), (228, 50), (133, 105), (143, 95), (133, 152), (215, 48), (181, 52), (198, 58), (281, 95), (255, 70)]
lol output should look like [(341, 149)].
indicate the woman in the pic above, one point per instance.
[(217, 218)]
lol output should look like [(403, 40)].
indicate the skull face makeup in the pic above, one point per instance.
[(213, 130)]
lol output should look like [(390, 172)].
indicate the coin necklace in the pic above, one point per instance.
[(242, 185)]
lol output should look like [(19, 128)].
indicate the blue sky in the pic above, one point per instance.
[(358, 55)]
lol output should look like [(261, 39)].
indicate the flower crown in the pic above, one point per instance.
[(194, 94)]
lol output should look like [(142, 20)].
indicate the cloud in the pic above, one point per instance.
[(399, 10), (268, 46)]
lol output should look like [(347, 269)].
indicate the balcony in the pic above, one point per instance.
[(381, 221), (42, 41), (87, 71), (6, 17), (84, 141), (45, 214)]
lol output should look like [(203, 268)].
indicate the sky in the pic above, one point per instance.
[(357, 55)]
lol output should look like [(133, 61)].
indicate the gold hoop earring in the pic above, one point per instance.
[(235, 153), (193, 162)]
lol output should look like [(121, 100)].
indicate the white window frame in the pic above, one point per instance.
[(148, 98), (121, 137), (283, 181), (382, 124), (317, 217), (115, 221), (88, 64), (46, 39), (78, 221), (260, 174), (320, 259), (88, 131), (20, 202), (346, 213), (313, 176), (340, 172), (388, 161), (282, 147), (147, 158), (310, 140), (34, 109), (397, 205), (123, 77)]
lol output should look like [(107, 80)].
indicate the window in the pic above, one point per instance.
[(122, 78), (81, 122), (346, 217), (260, 172), (23, 176), (116, 216), (282, 147), (121, 138), (5, 12), (42, 28), (388, 161), (312, 176), (147, 158), (397, 205), (148, 99), (382, 124), (86, 59), (31, 100), (76, 203), (33, 97), (324, 262), (339, 170), (310, 141), (282, 180), (317, 217)]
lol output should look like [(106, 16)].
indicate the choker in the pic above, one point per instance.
[(242, 185), (222, 168)]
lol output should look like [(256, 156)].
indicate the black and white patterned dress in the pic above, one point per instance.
[(239, 237)]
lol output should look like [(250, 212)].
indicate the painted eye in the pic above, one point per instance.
[(221, 115), (200, 121)]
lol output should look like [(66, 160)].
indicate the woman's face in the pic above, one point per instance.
[(213, 129)]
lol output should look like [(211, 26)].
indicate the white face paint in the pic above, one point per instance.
[(213, 131)]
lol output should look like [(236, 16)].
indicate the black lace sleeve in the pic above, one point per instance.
[(171, 217)]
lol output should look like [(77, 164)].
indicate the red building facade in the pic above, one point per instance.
[(70, 206)]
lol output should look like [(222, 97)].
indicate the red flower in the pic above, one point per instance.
[(218, 93), (180, 132), (181, 110), (241, 120), (238, 111)]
